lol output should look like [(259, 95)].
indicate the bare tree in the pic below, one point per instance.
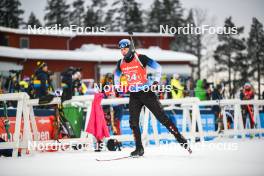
[(204, 43)]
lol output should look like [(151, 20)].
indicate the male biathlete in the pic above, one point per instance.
[(133, 67)]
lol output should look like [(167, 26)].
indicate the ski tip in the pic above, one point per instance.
[(118, 158)]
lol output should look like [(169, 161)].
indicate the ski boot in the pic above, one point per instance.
[(138, 152)]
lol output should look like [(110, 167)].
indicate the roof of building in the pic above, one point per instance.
[(91, 52), (70, 33)]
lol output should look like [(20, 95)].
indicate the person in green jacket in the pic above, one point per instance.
[(199, 90)]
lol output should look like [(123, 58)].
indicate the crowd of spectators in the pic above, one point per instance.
[(40, 85)]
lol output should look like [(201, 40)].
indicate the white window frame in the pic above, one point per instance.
[(20, 42)]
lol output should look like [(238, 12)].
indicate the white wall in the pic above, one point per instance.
[(166, 69)]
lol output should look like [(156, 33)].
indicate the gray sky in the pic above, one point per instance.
[(242, 11)]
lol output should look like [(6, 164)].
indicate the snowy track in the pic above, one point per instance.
[(170, 160)]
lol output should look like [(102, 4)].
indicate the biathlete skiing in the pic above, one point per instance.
[(133, 67)]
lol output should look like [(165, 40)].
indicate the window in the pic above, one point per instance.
[(24, 42), (3, 40)]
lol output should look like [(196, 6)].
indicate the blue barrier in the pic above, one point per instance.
[(261, 115), (37, 112), (124, 124), (208, 122)]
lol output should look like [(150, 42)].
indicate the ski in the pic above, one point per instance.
[(118, 158)]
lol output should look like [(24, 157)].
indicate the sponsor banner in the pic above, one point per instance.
[(44, 125)]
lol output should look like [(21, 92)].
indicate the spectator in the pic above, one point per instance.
[(2, 83), (12, 82), (263, 99), (199, 90), (190, 87), (113, 113), (176, 87), (24, 85), (217, 95), (79, 88), (247, 110), (206, 86), (42, 82), (163, 82), (71, 83)]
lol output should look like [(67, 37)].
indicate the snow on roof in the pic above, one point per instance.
[(91, 52), (69, 33)]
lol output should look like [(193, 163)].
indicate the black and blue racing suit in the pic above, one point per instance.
[(139, 98)]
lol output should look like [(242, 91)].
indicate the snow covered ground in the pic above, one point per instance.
[(221, 157)]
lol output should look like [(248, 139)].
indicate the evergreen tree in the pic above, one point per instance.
[(166, 12), (113, 20), (172, 13), (190, 43), (226, 54), (57, 13), (155, 17), (125, 16), (95, 15), (134, 20), (78, 14), (10, 13), (91, 19), (109, 20), (33, 21), (187, 43), (256, 50), (194, 41), (241, 72)]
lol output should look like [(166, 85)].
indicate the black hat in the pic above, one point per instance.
[(41, 64)]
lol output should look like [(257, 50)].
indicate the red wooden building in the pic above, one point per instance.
[(95, 53)]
